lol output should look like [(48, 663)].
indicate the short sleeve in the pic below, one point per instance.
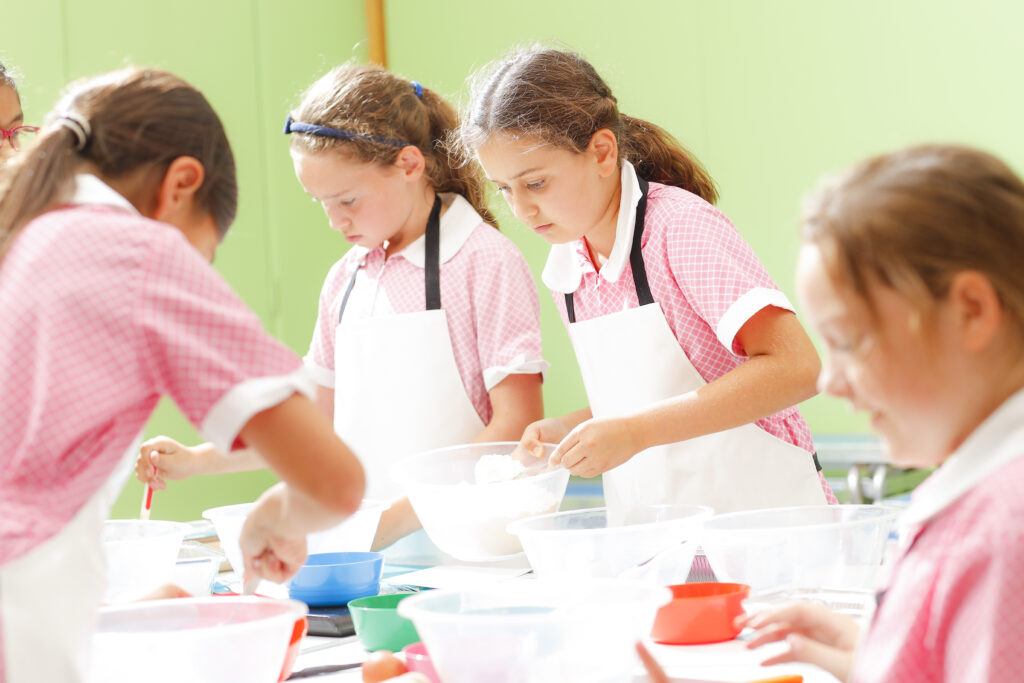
[(319, 360), (205, 348), (507, 314), (718, 272)]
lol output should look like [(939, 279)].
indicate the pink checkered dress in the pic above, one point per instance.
[(701, 271), (487, 292), (103, 312), (954, 607)]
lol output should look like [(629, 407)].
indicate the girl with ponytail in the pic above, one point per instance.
[(108, 223), (692, 358), (428, 330)]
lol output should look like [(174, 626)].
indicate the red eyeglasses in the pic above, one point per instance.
[(19, 135)]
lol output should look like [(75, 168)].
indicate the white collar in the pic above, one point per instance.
[(88, 189), (993, 445), (563, 271), (457, 224)]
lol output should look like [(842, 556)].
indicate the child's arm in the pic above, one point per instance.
[(163, 458), (322, 483), (781, 371)]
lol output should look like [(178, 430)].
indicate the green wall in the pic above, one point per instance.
[(769, 94)]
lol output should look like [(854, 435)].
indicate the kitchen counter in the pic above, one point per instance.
[(729, 661)]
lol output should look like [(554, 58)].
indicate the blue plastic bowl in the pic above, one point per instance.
[(335, 578)]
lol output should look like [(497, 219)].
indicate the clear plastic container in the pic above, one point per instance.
[(536, 631), (809, 547), (197, 568), (581, 543), (231, 639), (355, 534), (140, 556), (468, 520)]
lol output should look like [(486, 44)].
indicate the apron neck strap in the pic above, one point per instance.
[(431, 263), (636, 258), (432, 256)]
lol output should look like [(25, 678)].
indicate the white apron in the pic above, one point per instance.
[(397, 390), (630, 360), (50, 597)]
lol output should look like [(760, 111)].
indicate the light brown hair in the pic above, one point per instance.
[(370, 101), (912, 219), (140, 120), (558, 98)]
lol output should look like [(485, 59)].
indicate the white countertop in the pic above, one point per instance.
[(729, 661)]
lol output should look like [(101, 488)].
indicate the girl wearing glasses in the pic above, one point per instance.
[(12, 120), (428, 331), (108, 225)]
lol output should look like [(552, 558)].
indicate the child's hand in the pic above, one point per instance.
[(548, 430), (815, 634), (163, 458), (270, 547), (597, 445)]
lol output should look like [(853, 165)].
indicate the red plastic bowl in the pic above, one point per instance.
[(700, 613), (298, 633), (417, 659)]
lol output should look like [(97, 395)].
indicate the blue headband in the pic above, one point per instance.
[(417, 88), (291, 126)]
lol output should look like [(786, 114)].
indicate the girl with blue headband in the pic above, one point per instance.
[(428, 330)]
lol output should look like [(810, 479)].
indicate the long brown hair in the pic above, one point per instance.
[(140, 119), (558, 97), (371, 101), (914, 218)]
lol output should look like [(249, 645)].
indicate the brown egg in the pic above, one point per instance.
[(381, 666)]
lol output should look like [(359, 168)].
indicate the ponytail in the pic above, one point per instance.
[(559, 98), (120, 123), (373, 114), (34, 181), (449, 174), (659, 158)]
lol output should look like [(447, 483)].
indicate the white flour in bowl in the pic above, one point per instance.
[(496, 467)]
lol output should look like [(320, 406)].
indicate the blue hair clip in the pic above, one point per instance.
[(291, 126), (417, 88)]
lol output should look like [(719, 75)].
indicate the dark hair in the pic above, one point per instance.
[(139, 119), (914, 218), (371, 101), (558, 98)]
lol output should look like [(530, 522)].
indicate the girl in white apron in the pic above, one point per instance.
[(428, 330), (911, 272), (692, 358), (108, 223)]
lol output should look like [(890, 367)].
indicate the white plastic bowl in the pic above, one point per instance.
[(580, 543), (468, 520), (140, 556), (355, 534), (816, 546), (231, 639), (535, 631)]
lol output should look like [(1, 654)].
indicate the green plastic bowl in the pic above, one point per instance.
[(378, 623)]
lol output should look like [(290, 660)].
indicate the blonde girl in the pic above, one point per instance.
[(910, 271), (428, 331)]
